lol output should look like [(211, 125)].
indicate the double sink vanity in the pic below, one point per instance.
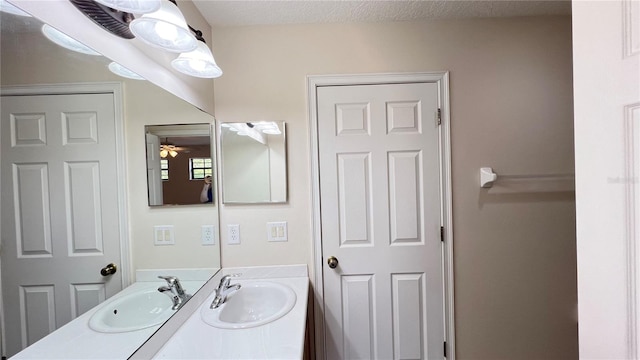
[(239, 313)]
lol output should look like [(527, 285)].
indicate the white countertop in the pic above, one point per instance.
[(280, 339), (76, 340)]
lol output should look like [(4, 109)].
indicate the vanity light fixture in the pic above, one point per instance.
[(114, 21), (11, 9), (66, 41), (248, 129), (165, 29), (132, 6), (267, 127), (198, 63), (120, 70)]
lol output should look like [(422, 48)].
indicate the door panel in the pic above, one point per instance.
[(381, 217), (60, 218)]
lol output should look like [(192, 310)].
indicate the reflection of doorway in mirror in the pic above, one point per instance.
[(182, 187), (61, 198), (178, 163)]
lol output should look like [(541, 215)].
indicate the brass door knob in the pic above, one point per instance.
[(332, 261), (109, 270)]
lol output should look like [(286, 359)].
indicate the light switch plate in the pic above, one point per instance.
[(163, 235), (277, 231)]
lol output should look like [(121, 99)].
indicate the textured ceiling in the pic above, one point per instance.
[(241, 12)]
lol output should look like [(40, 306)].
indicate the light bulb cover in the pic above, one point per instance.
[(11, 9), (163, 153), (198, 63), (66, 41), (120, 70), (165, 29), (132, 6)]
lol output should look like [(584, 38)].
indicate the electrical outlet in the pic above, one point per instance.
[(234, 234), (208, 234), (277, 231), (163, 235)]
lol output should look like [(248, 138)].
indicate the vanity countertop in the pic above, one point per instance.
[(280, 339), (76, 340)]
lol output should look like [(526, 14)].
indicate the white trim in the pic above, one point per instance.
[(632, 205), (442, 79), (114, 88)]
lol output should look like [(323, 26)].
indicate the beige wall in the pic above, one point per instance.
[(511, 108)]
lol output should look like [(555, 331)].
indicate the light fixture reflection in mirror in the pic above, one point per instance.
[(254, 162), (179, 164)]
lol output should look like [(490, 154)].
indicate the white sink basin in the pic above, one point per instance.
[(255, 304), (132, 312)]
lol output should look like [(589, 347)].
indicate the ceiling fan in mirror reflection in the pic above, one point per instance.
[(168, 150)]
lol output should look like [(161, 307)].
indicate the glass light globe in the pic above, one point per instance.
[(198, 63), (66, 41), (120, 70), (11, 9), (132, 6), (165, 29)]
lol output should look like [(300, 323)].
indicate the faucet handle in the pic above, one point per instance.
[(170, 279), (224, 282)]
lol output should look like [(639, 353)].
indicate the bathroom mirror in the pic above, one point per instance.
[(27, 58), (179, 164), (254, 162)]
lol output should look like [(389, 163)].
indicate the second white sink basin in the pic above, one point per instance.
[(255, 304), (132, 312)]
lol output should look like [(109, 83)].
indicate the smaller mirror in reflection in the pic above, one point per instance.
[(254, 162), (179, 164)]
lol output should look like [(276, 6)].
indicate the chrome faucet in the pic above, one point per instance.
[(223, 290), (175, 291)]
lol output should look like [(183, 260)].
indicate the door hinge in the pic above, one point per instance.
[(439, 117), (442, 233), (445, 348)]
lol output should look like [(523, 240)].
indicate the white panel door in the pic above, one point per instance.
[(606, 79), (60, 216), (381, 216)]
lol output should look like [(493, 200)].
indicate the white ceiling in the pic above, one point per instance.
[(241, 12)]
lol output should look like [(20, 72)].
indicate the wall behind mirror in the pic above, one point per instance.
[(254, 162), (180, 164), (27, 58)]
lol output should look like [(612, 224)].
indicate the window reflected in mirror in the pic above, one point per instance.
[(254, 162), (180, 164)]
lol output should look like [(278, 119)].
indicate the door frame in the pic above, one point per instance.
[(441, 78), (114, 88)]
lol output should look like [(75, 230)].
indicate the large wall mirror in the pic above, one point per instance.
[(28, 59), (180, 165), (254, 162)]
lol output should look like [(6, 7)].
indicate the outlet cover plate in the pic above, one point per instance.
[(233, 234), (208, 235)]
